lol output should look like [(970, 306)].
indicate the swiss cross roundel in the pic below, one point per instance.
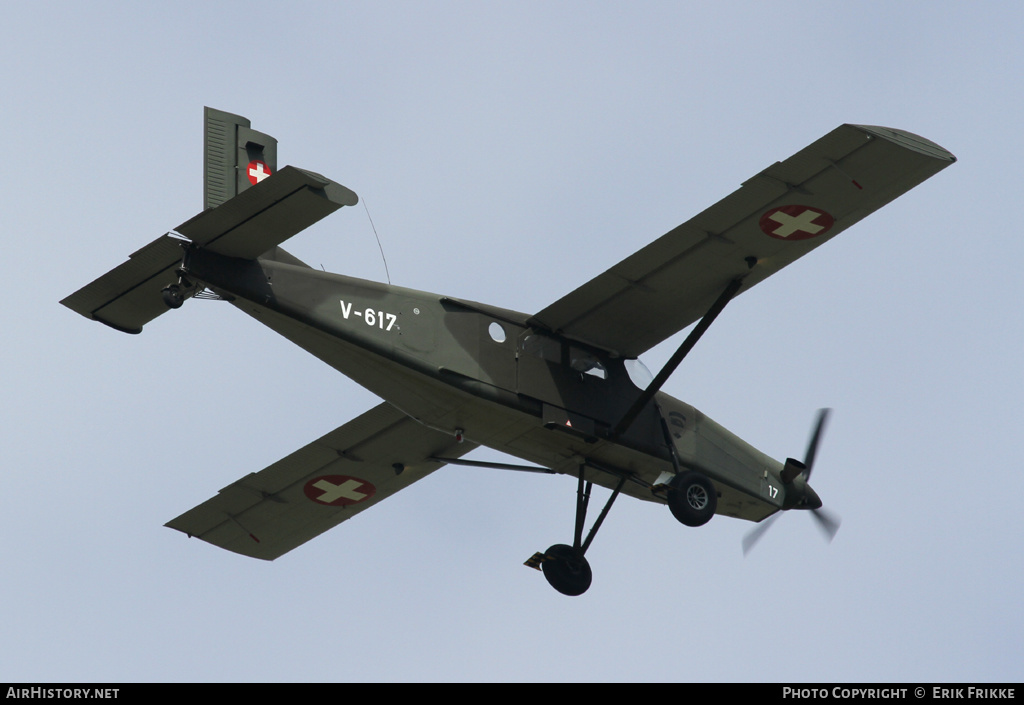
[(796, 222), (257, 171), (338, 490)]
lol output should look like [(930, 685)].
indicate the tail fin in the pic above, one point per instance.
[(235, 157), (252, 219)]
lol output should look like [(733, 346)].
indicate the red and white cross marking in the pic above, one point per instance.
[(257, 171), (796, 222), (338, 490)]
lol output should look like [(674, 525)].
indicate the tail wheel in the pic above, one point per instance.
[(692, 498), (173, 296)]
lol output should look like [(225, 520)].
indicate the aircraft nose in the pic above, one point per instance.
[(811, 499)]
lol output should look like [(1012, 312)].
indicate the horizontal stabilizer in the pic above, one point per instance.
[(267, 214), (246, 226), (128, 296)]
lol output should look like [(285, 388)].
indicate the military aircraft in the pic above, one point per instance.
[(561, 389)]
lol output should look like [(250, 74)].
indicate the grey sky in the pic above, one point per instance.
[(508, 153)]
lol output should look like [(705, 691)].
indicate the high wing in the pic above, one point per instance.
[(268, 513), (775, 217)]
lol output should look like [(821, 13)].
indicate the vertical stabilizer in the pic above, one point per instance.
[(235, 156)]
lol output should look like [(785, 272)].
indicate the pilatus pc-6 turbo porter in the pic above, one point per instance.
[(561, 389)]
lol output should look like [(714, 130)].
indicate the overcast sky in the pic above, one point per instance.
[(508, 153)]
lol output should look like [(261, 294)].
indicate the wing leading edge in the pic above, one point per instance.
[(268, 513), (773, 219)]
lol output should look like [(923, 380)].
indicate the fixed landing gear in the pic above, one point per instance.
[(566, 570), (692, 498), (173, 296), (565, 567)]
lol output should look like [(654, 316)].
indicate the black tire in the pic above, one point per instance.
[(692, 498), (566, 570), (173, 296)]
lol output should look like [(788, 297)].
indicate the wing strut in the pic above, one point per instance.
[(716, 308), (495, 466)]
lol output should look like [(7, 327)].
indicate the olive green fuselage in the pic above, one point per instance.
[(483, 372)]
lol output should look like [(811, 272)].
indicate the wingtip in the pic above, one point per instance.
[(908, 140)]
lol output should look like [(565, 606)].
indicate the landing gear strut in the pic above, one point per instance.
[(565, 567), (174, 295)]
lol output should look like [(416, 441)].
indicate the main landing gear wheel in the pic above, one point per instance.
[(566, 570), (565, 567), (692, 498)]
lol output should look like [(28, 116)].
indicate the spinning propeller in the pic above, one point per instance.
[(799, 494)]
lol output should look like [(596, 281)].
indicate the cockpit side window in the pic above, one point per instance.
[(586, 363), (542, 347)]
